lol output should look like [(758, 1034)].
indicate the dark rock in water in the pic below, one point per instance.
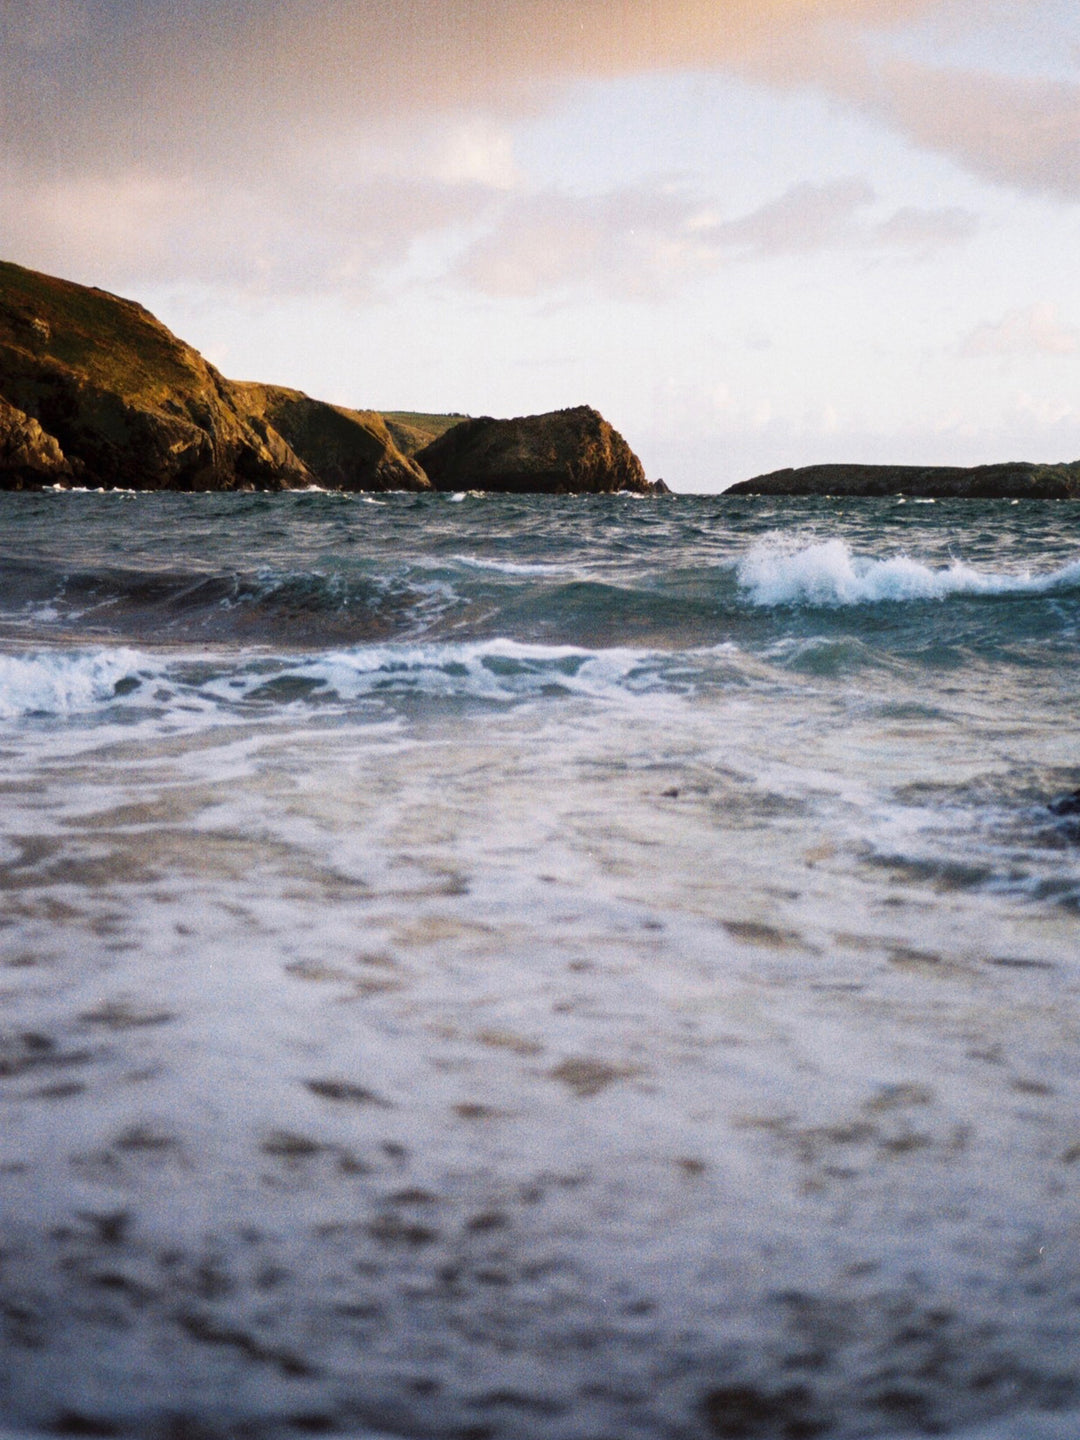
[(1065, 804), (565, 452), (344, 449), (125, 401), (1014, 480)]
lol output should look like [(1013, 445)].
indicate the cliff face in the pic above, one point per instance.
[(565, 452), (28, 456), (1014, 480), (124, 401), (95, 391), (344, 449)]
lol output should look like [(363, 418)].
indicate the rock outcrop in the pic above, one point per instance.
[(565, 452), (344, 449), (126, 402), (1013, 480), (28, 456)]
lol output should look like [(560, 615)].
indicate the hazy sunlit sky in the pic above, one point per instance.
[(753, 233)]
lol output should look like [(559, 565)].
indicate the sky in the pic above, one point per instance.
[(752, 233)]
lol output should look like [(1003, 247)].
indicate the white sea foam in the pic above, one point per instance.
[(496, 670), (827, 573), (204, 689), (62, 683), (513, 567)]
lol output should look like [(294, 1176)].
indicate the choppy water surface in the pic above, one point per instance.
[(538, 968)]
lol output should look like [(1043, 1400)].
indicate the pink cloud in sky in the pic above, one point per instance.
[(1035, 330), (643, 241), (193, 86)]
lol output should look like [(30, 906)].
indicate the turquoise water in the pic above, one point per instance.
[(538, 967)]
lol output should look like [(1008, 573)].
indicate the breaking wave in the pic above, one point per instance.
[(66, 684), (827, 573), (499, 671)]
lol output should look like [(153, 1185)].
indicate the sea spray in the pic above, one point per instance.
[(775, 572), (65, 684)]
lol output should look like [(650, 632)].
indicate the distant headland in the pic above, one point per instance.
[(1012, 480), (94, 391)]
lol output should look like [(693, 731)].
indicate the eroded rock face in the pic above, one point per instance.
[(344, 449), (96, 391), (28, 455), (127, 403), (1010, 481), (565, 452)]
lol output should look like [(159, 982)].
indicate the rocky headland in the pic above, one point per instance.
[(119, 400), (564, 452), (1012, 480), (95, 391)]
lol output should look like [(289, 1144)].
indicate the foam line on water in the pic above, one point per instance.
[(513, 567), (71, 684), (827, 573)]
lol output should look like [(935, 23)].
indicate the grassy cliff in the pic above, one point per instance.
[(344, 449), (97, 391), (413, 429), (126, 401)]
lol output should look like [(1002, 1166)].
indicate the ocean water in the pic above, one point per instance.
[(562, 969)]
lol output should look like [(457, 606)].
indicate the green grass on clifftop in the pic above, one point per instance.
[(413, 429)]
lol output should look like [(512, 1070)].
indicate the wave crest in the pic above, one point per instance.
[(503, 671), (827, 573), (64, 683)]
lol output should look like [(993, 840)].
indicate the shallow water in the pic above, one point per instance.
[(556, 968)]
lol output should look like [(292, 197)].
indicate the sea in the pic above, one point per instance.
[(538, 968)]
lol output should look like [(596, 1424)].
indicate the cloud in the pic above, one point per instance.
[(321, 222), (921, 231), (824, 216), (630, 242), (830, 215), (1032, 331), (806, 217), (205, 82), (1019, 132), (274, 140), (1043, 414), (641, 242), (298, 237)]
